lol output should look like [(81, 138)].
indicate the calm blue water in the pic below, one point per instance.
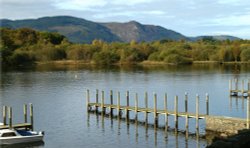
[(59, 96)]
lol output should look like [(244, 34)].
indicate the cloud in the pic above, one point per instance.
[(79, 4), (90, 4), (129, 13)]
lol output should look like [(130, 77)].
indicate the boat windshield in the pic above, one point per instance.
[(9, 134)]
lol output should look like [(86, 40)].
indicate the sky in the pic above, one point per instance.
[(188, 17)]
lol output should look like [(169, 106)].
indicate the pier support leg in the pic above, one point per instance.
[(10, 117), (248, 112), (166, 111), (207, 104), (4, 115), (102, 105), (176, 112), (25, 113), (197, 112), (127, 111), (118, 105), (146, 107), (97, 99), (155, 110), (31, 117), (136, 107), (111, 103), (87, 100)]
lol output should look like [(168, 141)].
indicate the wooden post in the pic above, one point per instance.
[(127, 112), (87, 100), (10, 117), (146, 106), (207, 104), (97, 99), (155, 109), (186, 124), (248, 87), (136, 106), (102, 105), (31, 116), (111, 103), (248, 112), (236, 85), (118, 104), (4, 115), (186, 102), (166, 110), (197, 112), (176, 112), (25, 113), (242, 87)]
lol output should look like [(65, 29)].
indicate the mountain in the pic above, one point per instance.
[(75, 29), (135, 31), (215, 37), (79, 30)]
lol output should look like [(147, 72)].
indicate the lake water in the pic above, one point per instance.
[(58, 94)]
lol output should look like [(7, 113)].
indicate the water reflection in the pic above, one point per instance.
[(170, 135)]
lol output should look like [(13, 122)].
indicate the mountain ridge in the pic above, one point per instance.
[(80, 30)]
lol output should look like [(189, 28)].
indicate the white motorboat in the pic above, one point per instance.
[(12, 136)]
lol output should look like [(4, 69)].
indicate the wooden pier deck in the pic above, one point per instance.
[(7, 114), (236, 91), (148, 110)]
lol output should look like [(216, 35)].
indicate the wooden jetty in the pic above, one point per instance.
[(7, 113), (219, 124), (146, 110), (236, 90)]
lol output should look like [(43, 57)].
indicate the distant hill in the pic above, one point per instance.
[(217, 37), (79, 30)]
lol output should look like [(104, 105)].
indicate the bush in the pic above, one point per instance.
[(177, 59), (22, 57)]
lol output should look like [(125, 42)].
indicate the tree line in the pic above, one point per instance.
[(27, 46)]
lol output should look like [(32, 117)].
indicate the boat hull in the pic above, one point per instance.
[(20, 139)]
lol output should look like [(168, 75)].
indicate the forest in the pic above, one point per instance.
[(25, 46)]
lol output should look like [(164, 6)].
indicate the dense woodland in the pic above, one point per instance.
[(27, 46)]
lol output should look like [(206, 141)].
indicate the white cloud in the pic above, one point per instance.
[(79, 4), (129, 14), (130, 2)]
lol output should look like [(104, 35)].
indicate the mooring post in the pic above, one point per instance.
[(176, 112), (31, 117), (207, 104), (242, 87), (87, 100), (186, 110), (111, 102), (127, 112), (186, 124), (166, 110), (155, 109), (146, 106), (186, 102), (4, 115), (96, 99), (248, 87), (102, 105), (25, 113), (248, 112), (10, 117), (118, 104), (197, 111), (136, 106)]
